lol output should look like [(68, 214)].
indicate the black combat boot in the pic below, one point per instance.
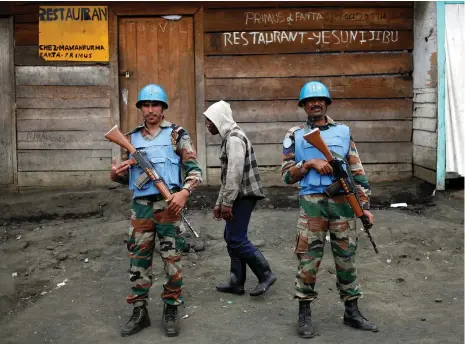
[(260, 267), (305, 329), (170, 320), (138, 321), (354, 318), (237, 278)]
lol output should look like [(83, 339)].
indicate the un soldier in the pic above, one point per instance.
[(319, 213), (169, 147)]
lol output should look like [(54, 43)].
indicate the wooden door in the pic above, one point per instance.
[(157, 51)]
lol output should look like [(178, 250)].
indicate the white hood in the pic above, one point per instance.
[(220, 114)]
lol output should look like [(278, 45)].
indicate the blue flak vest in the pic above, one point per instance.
[(337, 138), (162, 155)]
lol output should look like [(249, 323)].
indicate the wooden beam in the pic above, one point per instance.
[(299, 18), (64, 160), (271, 176), (280, 66), (66, 179), (57, 103), (286, 4), (289, 88), (340, 110), (113, 82), (370, 153), (361, 131), (286, 42), (7, 100), (63, 140), (64, 76), (424, 174), (62, 92), (154, 8), (200, 91)]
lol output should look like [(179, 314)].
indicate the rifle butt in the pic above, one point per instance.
[(116, 136), (314, 138)]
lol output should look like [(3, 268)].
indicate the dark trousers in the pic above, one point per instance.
[(235, 232)]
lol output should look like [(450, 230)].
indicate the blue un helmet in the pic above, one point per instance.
[(314, 89), (152, 93)]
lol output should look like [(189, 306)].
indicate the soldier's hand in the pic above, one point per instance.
[(217, 213), (320, 165), (119, 171), (178, 201), (370, 216), (226, 213)]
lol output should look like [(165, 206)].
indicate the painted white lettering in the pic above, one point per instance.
[(323, 36), (363, 40), (227, 38), (244, 38), (248, 16), (254, 34), (353, 36), (396, 33), (336, 36)]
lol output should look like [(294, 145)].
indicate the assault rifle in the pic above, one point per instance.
[(341, 180), (139, 157)]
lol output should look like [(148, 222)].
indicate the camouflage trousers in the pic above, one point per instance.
[(147, 219), (318, 214)]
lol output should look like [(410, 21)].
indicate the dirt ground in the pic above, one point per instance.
[(63, 272)]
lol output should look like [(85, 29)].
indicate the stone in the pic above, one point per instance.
[(192, 256), (50, 248), (83, 251), (199, 246), (438, 300), (62, 256)]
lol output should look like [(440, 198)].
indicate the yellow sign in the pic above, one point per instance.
[(73, 33)]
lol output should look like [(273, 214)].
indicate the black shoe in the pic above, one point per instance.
[(237, 278), (138, 321), (170, 320), (260, 267), (354, 318), (305, 329)]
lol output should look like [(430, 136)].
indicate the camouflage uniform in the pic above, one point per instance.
[(150, 216), (320, 213)]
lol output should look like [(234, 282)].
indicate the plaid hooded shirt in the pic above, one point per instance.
[(239, 168)]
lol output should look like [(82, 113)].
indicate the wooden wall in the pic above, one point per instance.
[(255, 57), (258, 59), (62, 111)]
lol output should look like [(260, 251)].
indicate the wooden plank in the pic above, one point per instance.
[(278, 42), (26, 34), (362, 131), (249, 66), (425, 157), (424, 174), (29, 56), (63, 140), (64, 179), (62, 114), (63, 92), (289, 88), (58, 119), (426, 124), (271, 176), (425, 110), (340, 110), (64, 160), (7, 100), (299, 18), (370, 153), (57, 103), (113, 79), (155, 9), (66, 76), (285, 4), (424, 138), (200, 91)]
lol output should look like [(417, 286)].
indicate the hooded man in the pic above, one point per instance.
[(240, 190)]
